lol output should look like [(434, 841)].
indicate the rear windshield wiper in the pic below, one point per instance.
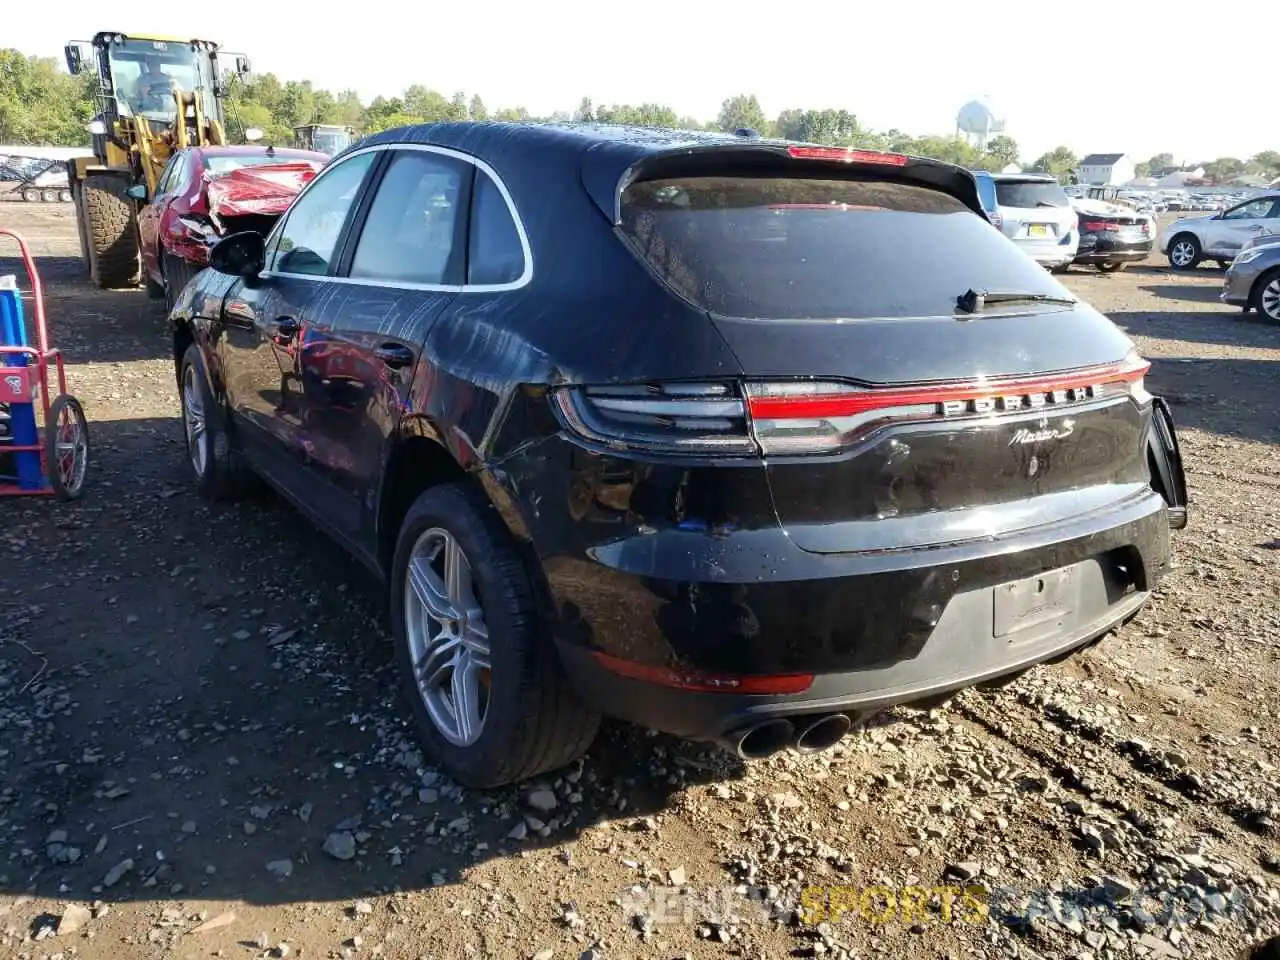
[(971, 301)]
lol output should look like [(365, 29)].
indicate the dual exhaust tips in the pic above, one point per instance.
[(764, 739)]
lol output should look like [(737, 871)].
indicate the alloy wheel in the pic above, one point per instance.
[(193, 420), (1182, 253), (1269, 299), (448, 637)]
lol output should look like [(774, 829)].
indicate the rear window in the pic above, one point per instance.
[(220, 165), (1027, 194), (820, 249)]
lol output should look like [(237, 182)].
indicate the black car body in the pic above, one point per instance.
[(719, 457), (1109, 238)]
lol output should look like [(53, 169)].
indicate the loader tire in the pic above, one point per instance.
[(112, 232)]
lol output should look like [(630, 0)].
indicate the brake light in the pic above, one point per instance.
[(811, 416), (1099, 226), (847, 155)]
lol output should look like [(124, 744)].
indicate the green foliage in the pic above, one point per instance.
[(41, 104)]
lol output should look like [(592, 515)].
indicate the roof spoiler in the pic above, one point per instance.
[(600, 165)]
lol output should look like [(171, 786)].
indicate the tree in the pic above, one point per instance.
[(833, 127), (585, 113), (479, 112), (1159, 163), (1060, 161), (1002, 151), (743, 111)]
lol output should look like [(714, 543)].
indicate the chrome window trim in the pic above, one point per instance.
[(522, 281)]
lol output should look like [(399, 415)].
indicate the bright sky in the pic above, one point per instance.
[(1132, 77)]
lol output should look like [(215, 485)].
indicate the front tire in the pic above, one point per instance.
[(1266, 296), (1110, 267), (112, 232), (1184, 252), (489, 698), (218, 471)]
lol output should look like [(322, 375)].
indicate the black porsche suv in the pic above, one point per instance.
[(741, 439)]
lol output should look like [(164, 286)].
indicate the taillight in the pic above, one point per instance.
[(689, 418), (1100, 226), (799, 417), (847, 155)]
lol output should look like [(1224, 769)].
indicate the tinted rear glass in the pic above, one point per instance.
[(820, 249), (1022, 193)]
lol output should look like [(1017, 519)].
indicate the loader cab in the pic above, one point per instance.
[(323, 137)]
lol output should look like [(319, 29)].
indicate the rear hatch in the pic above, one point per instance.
[(1034, 210), (1112, 222), (889, 416)]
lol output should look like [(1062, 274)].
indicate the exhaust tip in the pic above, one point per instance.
[(823, 734), (763, 739)]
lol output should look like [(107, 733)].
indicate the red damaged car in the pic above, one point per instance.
[(206, 193)]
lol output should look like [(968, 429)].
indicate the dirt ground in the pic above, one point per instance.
[(202, 754)]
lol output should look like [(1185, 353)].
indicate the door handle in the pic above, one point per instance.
[(286, 327), (394, 355)]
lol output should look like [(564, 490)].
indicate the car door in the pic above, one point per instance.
[(266, 325), (151, 215), (1228, 232), (403, 264)]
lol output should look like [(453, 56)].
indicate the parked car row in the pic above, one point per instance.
[(1056, 228), (668, 426)]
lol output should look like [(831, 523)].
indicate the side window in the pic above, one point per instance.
[(494, 252), (410, 235), (165, 183), (1256, 210), (305, 243)]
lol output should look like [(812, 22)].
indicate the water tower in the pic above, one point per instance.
[(977, 123)]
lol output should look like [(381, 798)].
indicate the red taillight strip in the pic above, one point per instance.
[(817, 406), (785, 683)]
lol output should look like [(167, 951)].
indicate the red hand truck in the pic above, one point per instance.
[(32, 465)]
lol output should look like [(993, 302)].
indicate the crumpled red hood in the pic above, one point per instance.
[(267, 189)]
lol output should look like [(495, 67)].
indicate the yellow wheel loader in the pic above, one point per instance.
[(155, 96)]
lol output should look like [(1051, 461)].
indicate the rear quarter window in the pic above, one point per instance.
[(786, 248)]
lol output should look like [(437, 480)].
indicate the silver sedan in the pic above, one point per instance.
[(1253, 279)]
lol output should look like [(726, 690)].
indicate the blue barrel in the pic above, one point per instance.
[(22, 416)]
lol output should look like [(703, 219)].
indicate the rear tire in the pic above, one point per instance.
[(219, 472), (112, 232), (532, 722), (1110, 267), (1184, 252)]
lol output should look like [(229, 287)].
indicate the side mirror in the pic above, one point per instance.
[(243, 66), (138, 191), (239, 255), (75, 59)]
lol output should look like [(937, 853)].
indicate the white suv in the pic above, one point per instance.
[(1037, 215), (1220, 237)]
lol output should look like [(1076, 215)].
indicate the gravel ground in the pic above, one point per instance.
[(201, 753)]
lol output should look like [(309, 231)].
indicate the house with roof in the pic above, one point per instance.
[(1106, 169)]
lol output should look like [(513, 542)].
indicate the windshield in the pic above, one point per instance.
[(775, 248), (1031, 193), (145, 73), (331, 141)]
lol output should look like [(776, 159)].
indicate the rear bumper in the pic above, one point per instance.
[(874, 630), (1103, 250), (1050, 253)]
